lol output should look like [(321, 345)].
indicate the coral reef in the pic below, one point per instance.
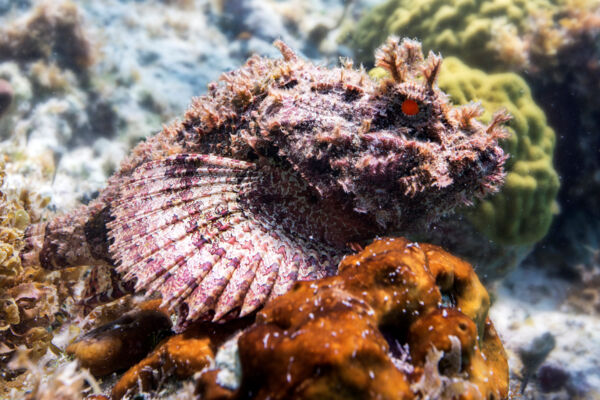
[(402, 320), (32, 301), (51, 33), (119, 344), (567, 90), (57, 104), (40, 128), (454, 27), (496, 35), (156, 54), (297, 22), (14, 220), (282, 161), (27, 307)]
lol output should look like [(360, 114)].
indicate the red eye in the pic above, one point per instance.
[(410, 107)]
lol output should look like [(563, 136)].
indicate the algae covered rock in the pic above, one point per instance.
[(522, 211), (402, 320)]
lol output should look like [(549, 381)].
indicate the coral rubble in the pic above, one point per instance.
[(402, 320), (63, 382), (282, 160), (529, 302), (53, 32)]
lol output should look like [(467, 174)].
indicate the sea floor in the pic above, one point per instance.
[(529, 303)]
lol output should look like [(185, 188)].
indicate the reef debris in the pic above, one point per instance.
[(584, 296), (65, 381), (283, 160), (52, 32)]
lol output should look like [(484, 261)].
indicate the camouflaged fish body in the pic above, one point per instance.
[(272, 175)]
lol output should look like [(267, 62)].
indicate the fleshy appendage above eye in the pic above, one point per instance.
[(410, 107)]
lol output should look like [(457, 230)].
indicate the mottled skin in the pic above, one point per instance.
[(273, 175)]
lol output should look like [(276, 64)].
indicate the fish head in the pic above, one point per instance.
[(393, 150)]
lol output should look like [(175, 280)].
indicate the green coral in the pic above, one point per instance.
[(468, 29), (522, 212)]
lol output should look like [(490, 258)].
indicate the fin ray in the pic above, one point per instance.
[(181, 229)]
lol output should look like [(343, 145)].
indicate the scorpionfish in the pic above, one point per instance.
[(273, 175)]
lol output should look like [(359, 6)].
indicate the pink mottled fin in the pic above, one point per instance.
[(179, 230)]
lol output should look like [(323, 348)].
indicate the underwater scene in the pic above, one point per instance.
[(300, 199)]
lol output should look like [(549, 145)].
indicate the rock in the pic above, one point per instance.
[(119, 344), (6, 96), (181, 356), (52, 31), (552, 378), (402, 320)]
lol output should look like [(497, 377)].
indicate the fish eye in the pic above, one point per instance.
[(410, 107)]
